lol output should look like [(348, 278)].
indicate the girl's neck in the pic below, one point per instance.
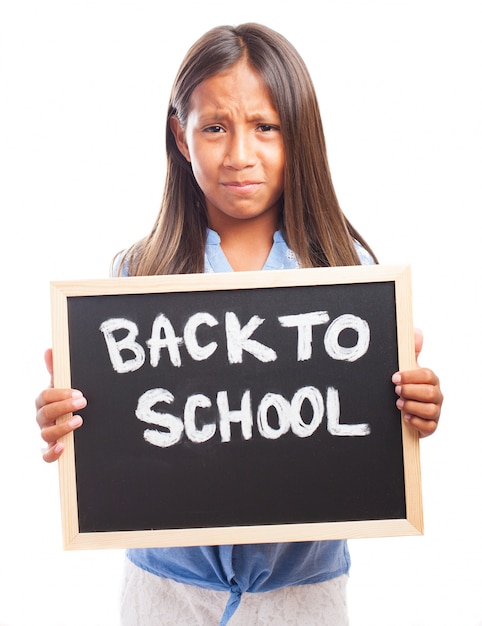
[(246, 244)]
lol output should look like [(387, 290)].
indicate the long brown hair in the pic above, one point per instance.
[(312, 222)]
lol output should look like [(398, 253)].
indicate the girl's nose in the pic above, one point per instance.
[(240, 152)]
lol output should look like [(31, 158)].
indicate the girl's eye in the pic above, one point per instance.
[(213, 129), (267, 127)]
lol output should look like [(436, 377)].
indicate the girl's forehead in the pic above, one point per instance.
[(239, 86)]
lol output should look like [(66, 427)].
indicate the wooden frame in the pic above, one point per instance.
[(74, 538)]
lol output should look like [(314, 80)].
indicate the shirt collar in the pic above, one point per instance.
[(279, 258)]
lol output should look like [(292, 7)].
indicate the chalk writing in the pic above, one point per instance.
[(238, 339), (289, 416), (128, 355)]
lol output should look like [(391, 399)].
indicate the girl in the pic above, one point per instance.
[(248, 187)]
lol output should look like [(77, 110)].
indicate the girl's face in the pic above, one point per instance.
[(233, 141)]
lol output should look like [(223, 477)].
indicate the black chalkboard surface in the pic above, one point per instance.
[(237, 408)]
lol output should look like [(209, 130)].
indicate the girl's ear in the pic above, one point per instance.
[(180, 137)]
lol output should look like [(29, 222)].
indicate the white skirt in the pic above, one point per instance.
[(149, 600)]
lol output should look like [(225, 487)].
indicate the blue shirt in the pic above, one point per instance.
[(253, 567)]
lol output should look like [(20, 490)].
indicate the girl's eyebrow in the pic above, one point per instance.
[(212, 114), (216, 115), (264, 116)]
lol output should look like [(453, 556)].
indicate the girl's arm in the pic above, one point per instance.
[(52, 404), (419, 394)]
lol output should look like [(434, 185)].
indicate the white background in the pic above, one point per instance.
[(83, 95)]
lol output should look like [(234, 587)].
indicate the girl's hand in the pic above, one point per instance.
[(52, 404), (420, 395)]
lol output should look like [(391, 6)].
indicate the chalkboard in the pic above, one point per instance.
[(237, 408)]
